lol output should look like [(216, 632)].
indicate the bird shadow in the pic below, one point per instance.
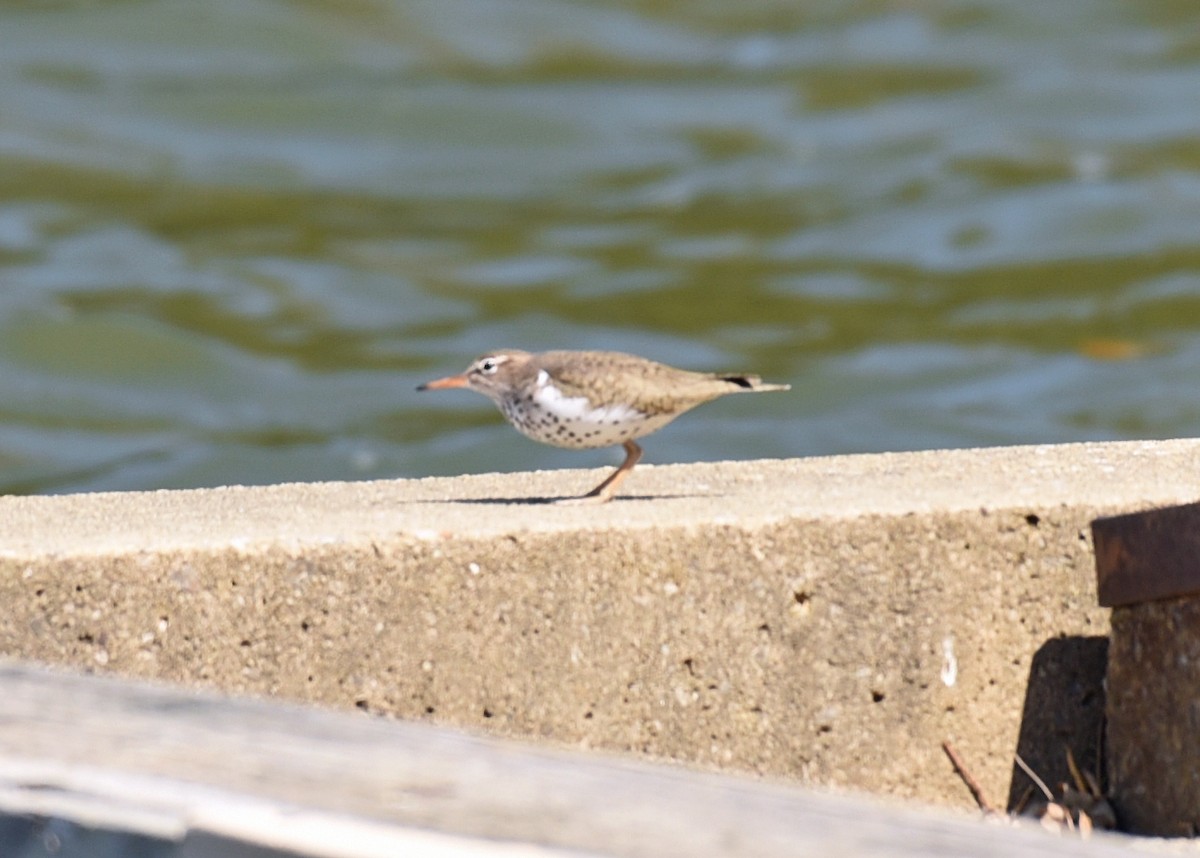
[(548, 501)]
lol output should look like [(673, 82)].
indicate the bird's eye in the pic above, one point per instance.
[(488, 365)]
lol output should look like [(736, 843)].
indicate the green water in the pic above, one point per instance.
[(234, 236)]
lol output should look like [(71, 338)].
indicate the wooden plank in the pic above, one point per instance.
[(1147, 555), (199, 757)]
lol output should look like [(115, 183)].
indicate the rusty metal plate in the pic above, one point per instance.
[(1148, 555)]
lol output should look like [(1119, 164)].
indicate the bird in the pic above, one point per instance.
[(589, 399)]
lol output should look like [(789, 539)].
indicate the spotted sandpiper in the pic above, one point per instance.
[(586, 399)]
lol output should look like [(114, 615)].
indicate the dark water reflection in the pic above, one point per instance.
[(235, 236)]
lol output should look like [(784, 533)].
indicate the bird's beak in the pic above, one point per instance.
[(445, 383)]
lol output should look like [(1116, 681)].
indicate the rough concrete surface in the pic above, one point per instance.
[(830, 620)]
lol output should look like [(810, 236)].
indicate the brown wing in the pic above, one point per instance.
[(650, 387)]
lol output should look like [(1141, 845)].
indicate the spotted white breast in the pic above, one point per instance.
[(548, 416)]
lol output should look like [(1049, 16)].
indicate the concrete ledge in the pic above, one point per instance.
[(95, 767), (829, 620)]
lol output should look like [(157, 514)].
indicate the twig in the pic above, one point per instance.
[(1023, 801), (1085, 781), (972, 784), (1033, 776), (1080, 784)]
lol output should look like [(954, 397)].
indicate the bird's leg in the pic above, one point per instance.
[(607, 489)]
